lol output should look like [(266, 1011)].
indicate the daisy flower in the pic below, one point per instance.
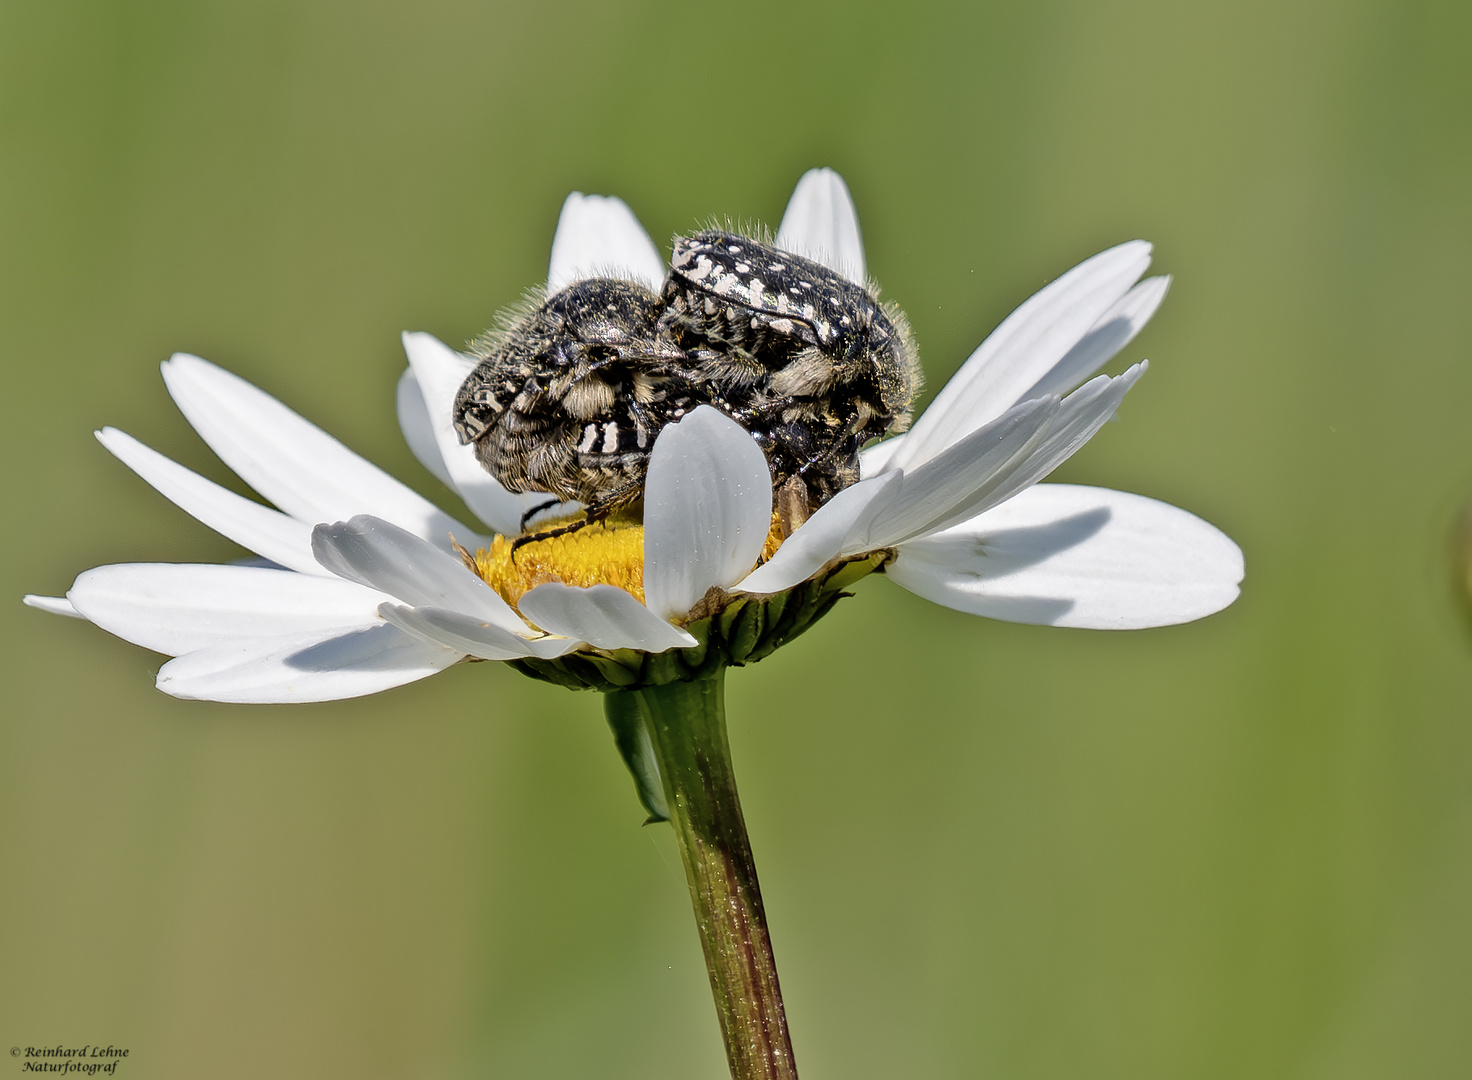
[(359, 584), (360, 588)]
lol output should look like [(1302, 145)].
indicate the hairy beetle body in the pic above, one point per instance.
[(808, 361), (572, 390)]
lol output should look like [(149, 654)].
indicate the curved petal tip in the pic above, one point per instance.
[(821, 224), (598, 235)]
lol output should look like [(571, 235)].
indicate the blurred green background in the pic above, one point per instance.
[(1240, 848)]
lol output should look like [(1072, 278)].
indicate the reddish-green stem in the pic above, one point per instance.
[(686, 724)]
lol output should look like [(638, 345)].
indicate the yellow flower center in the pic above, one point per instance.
[(601, 553)]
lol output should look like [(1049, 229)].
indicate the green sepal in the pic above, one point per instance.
[(694, 658), (850, 572), (609, 667), (630, 724), (550, 671), (774, 606), (746, 632), (727, 618)]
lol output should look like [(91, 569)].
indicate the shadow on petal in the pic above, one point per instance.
[(1119, 561), (1010, 550), (1001, 552), (1032, 610), (376, 648)]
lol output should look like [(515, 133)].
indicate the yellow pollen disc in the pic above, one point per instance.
[(597, 554), (603, 553)]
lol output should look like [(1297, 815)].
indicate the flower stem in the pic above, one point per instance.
[(687, 731)]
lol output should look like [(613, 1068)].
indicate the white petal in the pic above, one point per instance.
[(418, 430), (1078, 419), (1063, 555), (962, 473), (599, 236), (821, 224), (324, 666), (874, 460), (707, 510), (267, 532), (604, 616), (836, 526), (382, 556), (295, 464), (1028, 344), (1116, 329), (471, 636), (177, 608), (57, 605), (440, 371), (264, 564)]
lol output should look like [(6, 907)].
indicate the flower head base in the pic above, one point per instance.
[(728, 629), (738, 630), (363, 587)]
